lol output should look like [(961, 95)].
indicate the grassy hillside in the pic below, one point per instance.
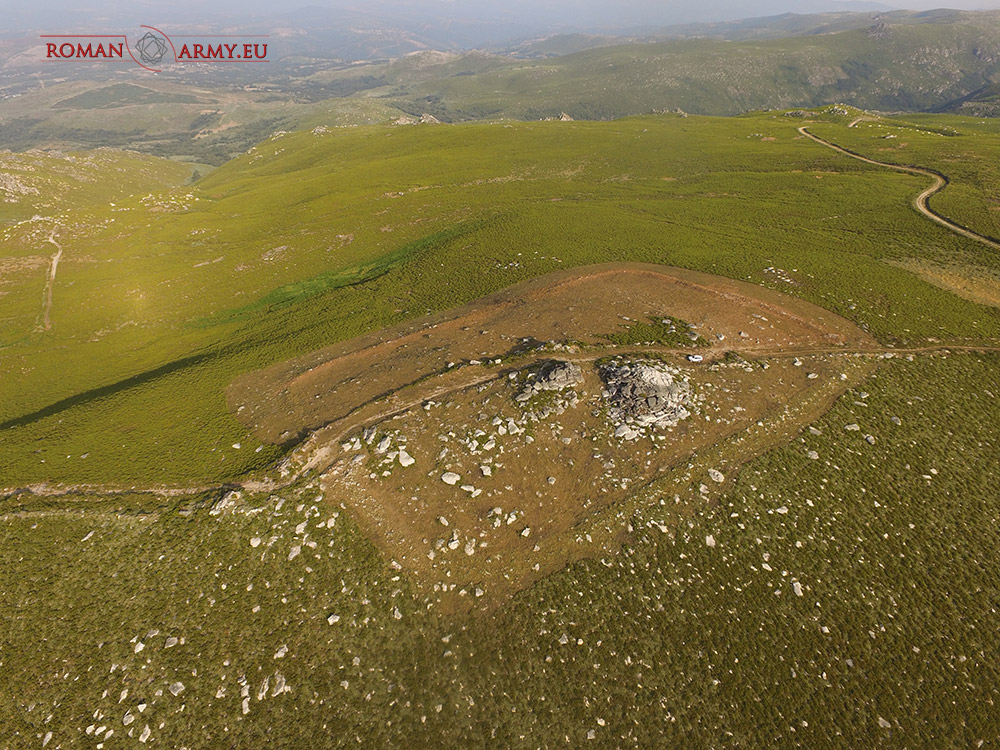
[(41, 183), (886, 66), (983, 102), (961, 148), (207, 124), (847, 600), (839, 589), (164, 298)]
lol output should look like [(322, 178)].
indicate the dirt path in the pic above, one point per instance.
[(316, 455), (920, 201), (46, 320)]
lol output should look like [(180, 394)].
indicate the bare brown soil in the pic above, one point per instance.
[(577, 305), (389, 418), (553, 477), (976, 284)]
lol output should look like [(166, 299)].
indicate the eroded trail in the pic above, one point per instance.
[(317, 399), (312, 458), (920, 201), (47, 311)]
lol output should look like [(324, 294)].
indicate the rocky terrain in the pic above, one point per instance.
[(643, 395)]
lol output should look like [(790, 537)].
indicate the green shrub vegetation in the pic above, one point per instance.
[(315, 237), (670, 643), (837, 590)]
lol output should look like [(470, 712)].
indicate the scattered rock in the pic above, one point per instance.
[(450, 478), (176, 688), (716, 476), (280, 685), (227, 502), (879, 32)]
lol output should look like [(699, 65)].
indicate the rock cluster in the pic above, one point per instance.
[(551, 376), (644, 394)]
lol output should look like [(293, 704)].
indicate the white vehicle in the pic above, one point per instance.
[(695, 358)]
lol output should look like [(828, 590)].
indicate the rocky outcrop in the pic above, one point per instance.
[(551, 376), (644, 394)]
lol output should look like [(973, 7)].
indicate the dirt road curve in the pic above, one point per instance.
[(920, 202), (316, 460), (47, 322)]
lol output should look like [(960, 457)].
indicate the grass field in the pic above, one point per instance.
[(890, 642), (960, 147), (838, 586), (163, 299)]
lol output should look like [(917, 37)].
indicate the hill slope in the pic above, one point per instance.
[(886, 66), (844, 579), (320, 235)]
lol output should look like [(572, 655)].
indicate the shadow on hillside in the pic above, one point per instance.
[(111, 389)]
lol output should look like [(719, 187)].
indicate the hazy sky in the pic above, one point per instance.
[(537, 15)]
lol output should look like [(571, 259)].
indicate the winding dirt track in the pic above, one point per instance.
[(920, 201), (47, 322), (316, 460)]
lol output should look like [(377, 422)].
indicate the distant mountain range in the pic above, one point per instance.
[(941, 61), (900, 61)]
